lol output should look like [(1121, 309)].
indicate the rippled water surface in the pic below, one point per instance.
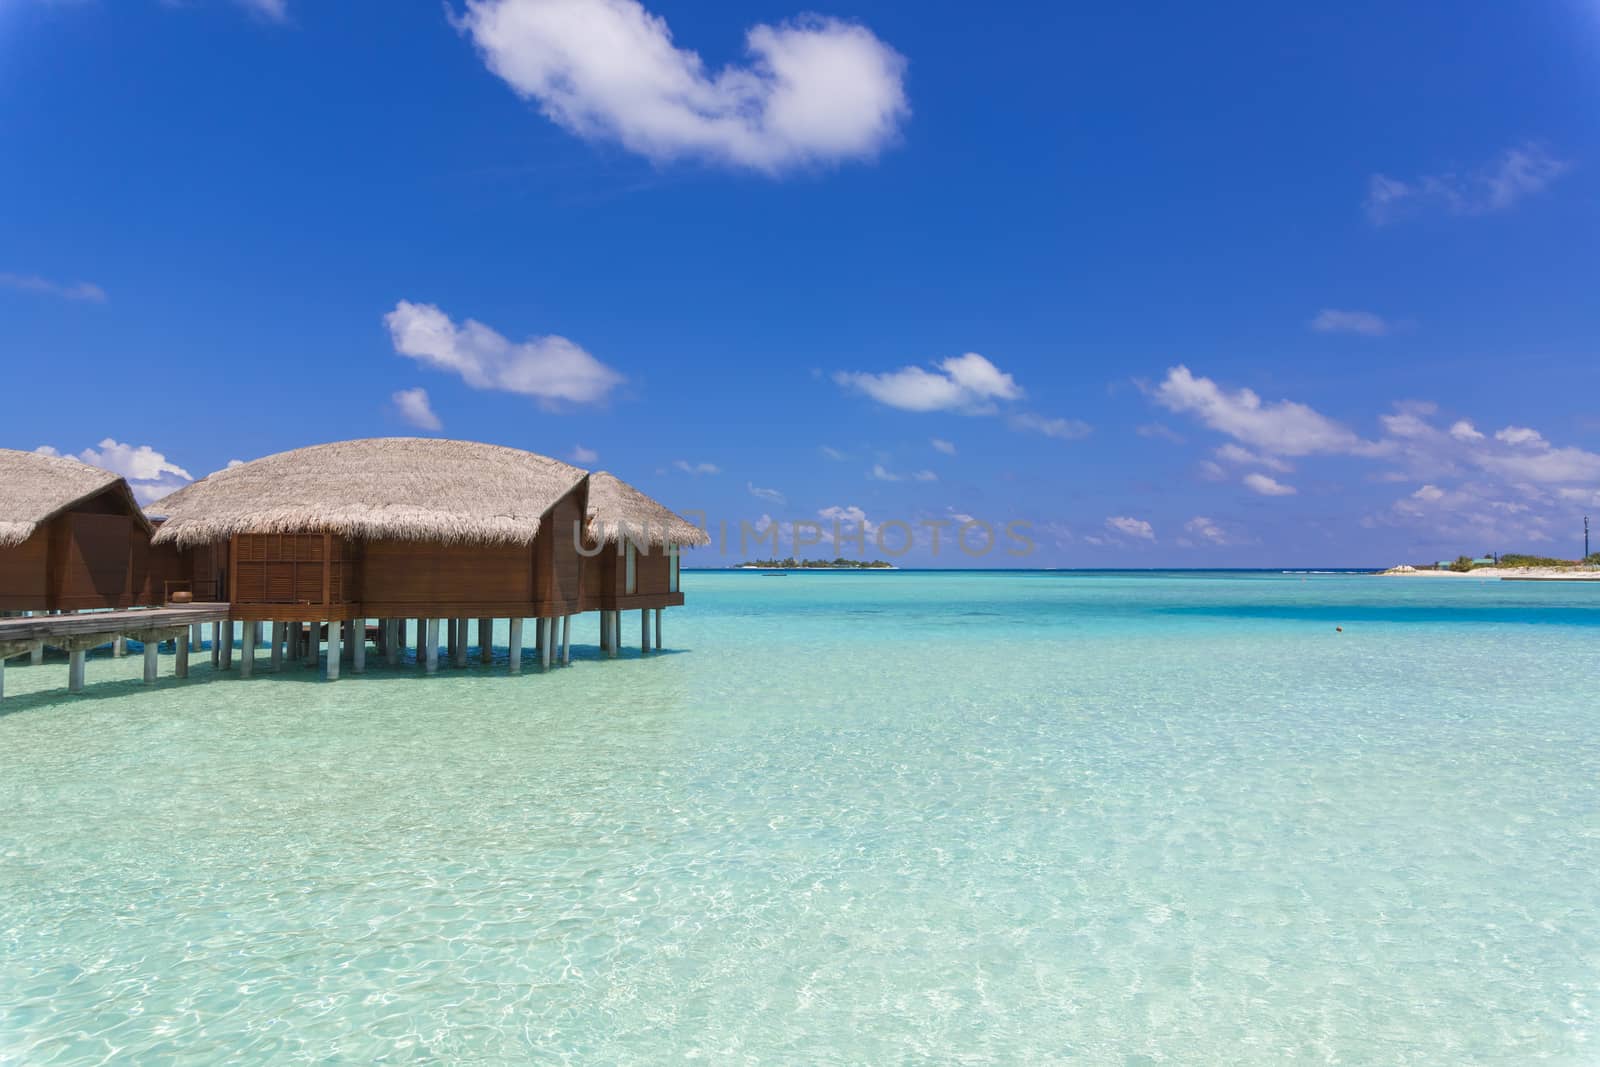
[(844, 818)]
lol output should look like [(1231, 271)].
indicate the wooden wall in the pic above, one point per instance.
[(95, 555), (422, 578), (558, 572), (25, 574)]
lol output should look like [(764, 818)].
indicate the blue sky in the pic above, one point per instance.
[(1250, 284)]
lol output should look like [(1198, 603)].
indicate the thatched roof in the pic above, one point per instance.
[(618, 510), (401, 488), (35, 488)]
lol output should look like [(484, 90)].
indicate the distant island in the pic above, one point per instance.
[(840, 564), (1511, 565)]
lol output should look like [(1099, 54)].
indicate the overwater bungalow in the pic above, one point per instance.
[(631, 557), (426, 533), (72, 538)]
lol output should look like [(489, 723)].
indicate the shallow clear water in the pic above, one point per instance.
[(871, 818)]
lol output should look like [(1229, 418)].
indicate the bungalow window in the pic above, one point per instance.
[(672, 580), (631, 579)]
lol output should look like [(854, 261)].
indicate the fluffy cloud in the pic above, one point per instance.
[(551, 369), (941, 445), (1518, 173), (880, 473), (967, 384), (150, 474), (1061, 429), (1127, 526), (1267, 485), (816, 90), (1330, 320), (1284, 428), (584, 456), (1520, 436), (1246, 458), (413, 406), (1462, 430), (32, 283), (833, 453), (765, 494), (696, 468), (1207, 530), (924, 476)]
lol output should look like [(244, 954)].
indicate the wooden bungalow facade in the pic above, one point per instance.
[(422, 535), (72, 538)]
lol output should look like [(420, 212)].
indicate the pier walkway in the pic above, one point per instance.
[(78, 632)]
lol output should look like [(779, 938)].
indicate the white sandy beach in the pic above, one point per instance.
[(1571, 574)]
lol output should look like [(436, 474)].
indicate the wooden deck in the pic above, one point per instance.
[(91, 623)]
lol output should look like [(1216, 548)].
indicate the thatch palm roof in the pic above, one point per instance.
[(35, 488), (618, 510), (400, 488)]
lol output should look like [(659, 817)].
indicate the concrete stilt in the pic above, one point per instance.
[(247, 658), (485, 640), (257, 627), (180, 664), (605, 632), (430, 649), (227, 644), (451, 637), (395, 641), (277, 646), (216, 645), (358, 643), (2, 678), (461, 643), (658, 628), (516, 646), (75, 670), (313, 643), (616, 634), (422, 631), (566, 640), (119, 646), (644, 631), (197, 640), (335, 652), (545, 644), (347, 640), (36, 654)]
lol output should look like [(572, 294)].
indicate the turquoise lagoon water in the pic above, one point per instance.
[(845, 818)]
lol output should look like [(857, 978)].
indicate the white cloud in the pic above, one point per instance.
[(32, 283), (850, 519), (1519, 172), (413, 406), (925, 476), (1266, 485), (149, 473), (968, 384), (1246, 458), (1208, 530), (696, 468), (551, 369), (1521, 436), (766, 494), (834, 454), (584, 456), (1365, 323), (1131, 527), (879, 473), (1462, 430), (1061, 429), (1283, 428), (816, 90), (1428, 494), (941, 445)]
